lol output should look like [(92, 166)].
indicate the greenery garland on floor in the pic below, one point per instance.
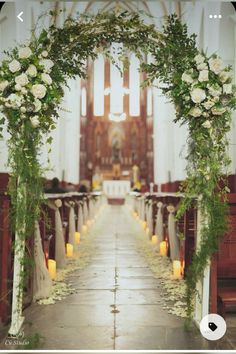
[(32, 79)]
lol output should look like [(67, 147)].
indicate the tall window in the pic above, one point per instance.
[(149, 101), (83, 102), (134, 86), (98, 86), (116, 81)]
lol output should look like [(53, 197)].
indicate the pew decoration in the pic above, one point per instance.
[(71, 239), (42, 283), (60, 257), (149, 219), (173, 238), (80, 216), (85, 210), (159, 223)]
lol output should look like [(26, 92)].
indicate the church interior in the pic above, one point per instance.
[(109, 259)]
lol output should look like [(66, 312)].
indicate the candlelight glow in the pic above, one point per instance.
[(69, 250), (163, 248), (52, 268)]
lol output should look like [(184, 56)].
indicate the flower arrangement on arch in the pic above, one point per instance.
[(207, 90), (28, 93)]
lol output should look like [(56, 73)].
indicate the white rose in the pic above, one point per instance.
[(198, 95), (227, 89), (203, 76), (202, 66), (32, 70), (23, 109), (24, 91), (14, 100), (18, 87), (38, 91), (195, 112), (218, 111), (224, 76), (207, 124), (14, 66), (44, 54), (38, 105), (215, 90), (3, 85), (187, 78), (24, 52), (35, 121), (47, 64), (208, 104), (199, 59), (216, 65), (216, 99), (46, 78), (22, 80)]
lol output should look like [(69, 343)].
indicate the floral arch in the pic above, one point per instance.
[(31, 88)]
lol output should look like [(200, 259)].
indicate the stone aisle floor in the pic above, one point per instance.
[(116, 304)]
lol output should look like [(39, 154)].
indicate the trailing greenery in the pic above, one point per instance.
[(200, 88), (33, 77)]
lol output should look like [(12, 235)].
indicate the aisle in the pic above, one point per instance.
[(117, 303)]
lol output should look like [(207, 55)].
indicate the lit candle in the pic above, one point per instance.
[(52, 268), (84, 229), (177, 269), (154, 240), (163, 248), (77, 237), (182, 268), (69, 250), (147, 231), (144, 224)]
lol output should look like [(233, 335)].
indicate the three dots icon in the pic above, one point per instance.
[(215, 16)]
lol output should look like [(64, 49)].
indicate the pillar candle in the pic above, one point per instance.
[(177, 269), (77, 237), (154, 239), (182, 268), (163, 248), (144, 224), (52, 268), (69, 250)]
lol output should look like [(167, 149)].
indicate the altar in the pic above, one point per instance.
[(116, 189)]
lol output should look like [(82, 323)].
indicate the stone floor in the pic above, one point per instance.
[(117, 302)]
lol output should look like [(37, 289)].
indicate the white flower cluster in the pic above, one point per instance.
[(208, 88), (29, 84)]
